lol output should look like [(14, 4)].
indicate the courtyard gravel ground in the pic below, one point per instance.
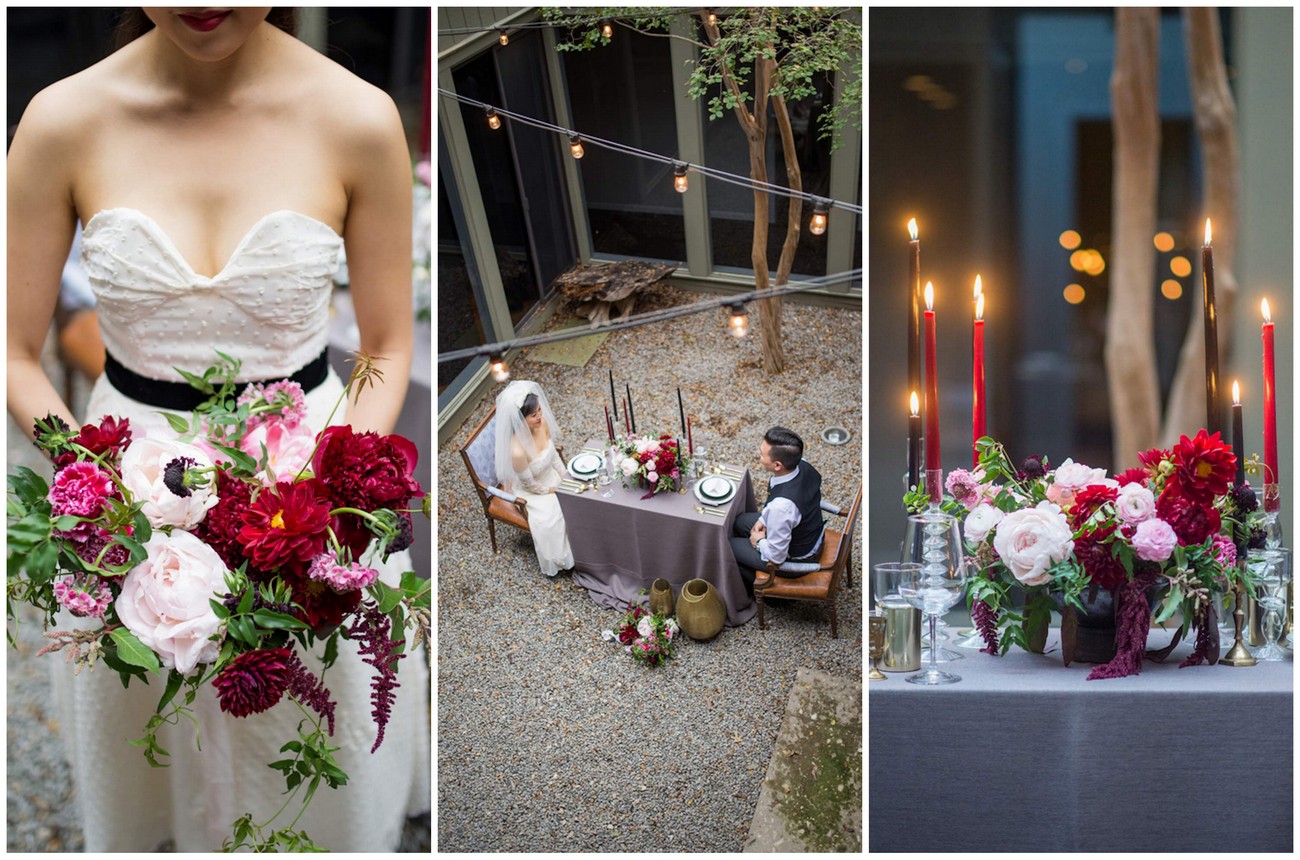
[(550, 738)]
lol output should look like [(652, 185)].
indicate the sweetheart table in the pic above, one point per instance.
[(624, 543), (1025, 755)]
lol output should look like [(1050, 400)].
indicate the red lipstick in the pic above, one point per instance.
[(205, 22)]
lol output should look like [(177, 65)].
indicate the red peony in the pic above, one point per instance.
[(364, 471), (1192, 522), (111, 436), (285, 526), (220, 528), (254, 681), (1203, 467)]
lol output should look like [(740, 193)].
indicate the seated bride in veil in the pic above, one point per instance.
[(529, 466)]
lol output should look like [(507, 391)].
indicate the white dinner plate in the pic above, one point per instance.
[(704, 487), (586, 465)]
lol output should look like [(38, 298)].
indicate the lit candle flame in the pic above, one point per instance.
[(1207, 232), (929, 296), (1263, 306), (911, 228), (979, 287), (1236, 393), (979, 307), (916, 405)]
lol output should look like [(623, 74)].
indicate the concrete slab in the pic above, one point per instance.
[(811, 798)]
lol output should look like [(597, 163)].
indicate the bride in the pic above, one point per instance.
[(219, 166), (529, 466)]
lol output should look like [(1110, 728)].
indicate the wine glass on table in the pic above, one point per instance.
[(609, 471), (934, 589), (933, 537), (1270, 569)]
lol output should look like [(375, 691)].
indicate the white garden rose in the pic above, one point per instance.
[(1135, 504), (144, 464), (981, 521), (164, 601), (1070, 477), (629, 466), (1031, 540), (645, 626)]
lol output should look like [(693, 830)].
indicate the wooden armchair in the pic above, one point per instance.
[(819, 580), (479, 453)]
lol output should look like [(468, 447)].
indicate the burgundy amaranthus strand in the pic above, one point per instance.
[(1204, 641), (370, 628), (310, 690), (1132, 623), (986, 621)]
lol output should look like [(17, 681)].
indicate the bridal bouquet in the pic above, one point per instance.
[(1171, 527), (656, 462), (222, 554), (649, 637)]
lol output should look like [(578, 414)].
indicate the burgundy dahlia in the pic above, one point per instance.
[(254, 681), (1103, 568), (285, 525), (1192, 522)]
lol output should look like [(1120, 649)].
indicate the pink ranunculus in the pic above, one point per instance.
[(1070, 477), (143, 467), (288, 448), (1154, 540), (79, 490), (652, 476), (1031, 540), (1135, 503), (164, 601)]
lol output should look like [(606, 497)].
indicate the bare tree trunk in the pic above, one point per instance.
[(794, 212), (1130, 352), (1216, 122)]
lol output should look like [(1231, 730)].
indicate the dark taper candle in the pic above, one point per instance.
[(1213, 416), (612, 396), (914, 443), (681, 410), (1238, 439), (914, 311), (631, 413)]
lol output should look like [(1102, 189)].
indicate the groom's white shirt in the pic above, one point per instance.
[(780, 516)]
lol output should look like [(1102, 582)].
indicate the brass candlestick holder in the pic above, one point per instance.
[(1238, 655), (876, 647)]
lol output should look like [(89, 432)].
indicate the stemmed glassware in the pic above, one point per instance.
[(934, 589), (933, 536), (606, 477), (1271, 572)]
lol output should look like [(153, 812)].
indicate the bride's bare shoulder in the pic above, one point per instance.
[(356, 114), (72, 108)]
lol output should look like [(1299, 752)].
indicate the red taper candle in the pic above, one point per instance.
[(609, 425), (1270, 400), (932, 464), (978, 423)]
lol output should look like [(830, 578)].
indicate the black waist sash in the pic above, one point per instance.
[(182, 397)]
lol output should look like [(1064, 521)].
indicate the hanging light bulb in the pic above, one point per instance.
[(503, 39), (607, 29), (680, 182), (817, 225), (499, 369), (738, 325), (575, 145), (713, 19), (494, 121)]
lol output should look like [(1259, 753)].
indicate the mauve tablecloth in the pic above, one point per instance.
[(1024, 754), (622, 544)]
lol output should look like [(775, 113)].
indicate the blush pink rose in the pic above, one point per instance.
[(1135, 504), (1071, 477), (164, 601), (289, 447), (1154, 540), (1031, 540)]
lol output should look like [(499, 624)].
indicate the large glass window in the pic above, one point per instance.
[(731, 207), (623, 92), (461, 321)]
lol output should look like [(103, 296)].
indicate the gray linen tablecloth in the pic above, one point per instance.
[(1024, 754), (622, 544)]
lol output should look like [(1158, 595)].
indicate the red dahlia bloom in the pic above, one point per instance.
[(1132, 476), (254, 681), (1087, 502), (1203, 467), (285, 525), (1192, 522)]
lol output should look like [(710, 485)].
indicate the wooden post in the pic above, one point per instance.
[(1130, 351)]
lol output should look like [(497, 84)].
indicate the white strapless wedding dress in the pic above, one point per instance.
[(269, 307)]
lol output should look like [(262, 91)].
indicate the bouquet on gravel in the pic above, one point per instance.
[(219, 556), (650, 638)]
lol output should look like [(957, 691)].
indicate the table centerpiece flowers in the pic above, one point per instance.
[(656, 463), (1164, 534)]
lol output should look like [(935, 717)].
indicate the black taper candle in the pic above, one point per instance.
[(1238, 444), (613, 396), (1213, 416), (914, 312), (681, 410), (631, 413), (913, 450)]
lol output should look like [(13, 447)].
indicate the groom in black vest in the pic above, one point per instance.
[(789, 528)]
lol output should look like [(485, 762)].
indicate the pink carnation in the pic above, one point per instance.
[(88, 598), (1225, 551), (1154, 540), (80, 489), (342, 578)]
